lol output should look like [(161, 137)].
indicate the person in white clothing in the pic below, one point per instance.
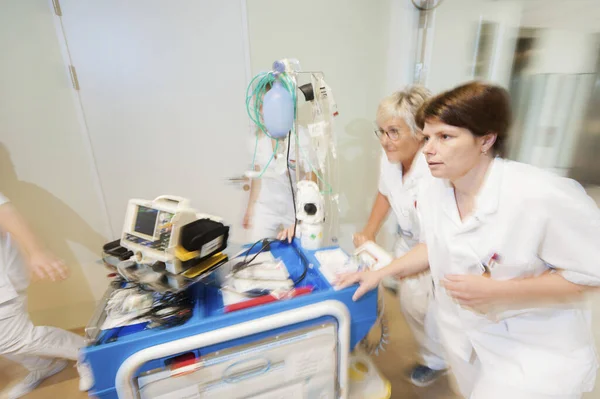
[(41, 350), (403, 169), (511, 249), (270, 205)]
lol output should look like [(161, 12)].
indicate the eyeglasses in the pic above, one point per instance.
[(393, 134)]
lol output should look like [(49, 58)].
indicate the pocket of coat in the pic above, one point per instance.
[(509, 271)]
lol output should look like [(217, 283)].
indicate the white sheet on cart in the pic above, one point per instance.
[(333, 262), (128, 320)]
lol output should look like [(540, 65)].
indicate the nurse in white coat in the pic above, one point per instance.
[(403, 169), (511, 250), (270, 205), (270, 201), (41, 350)]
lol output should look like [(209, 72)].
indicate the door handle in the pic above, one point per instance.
[(238, 179), (243, 180)]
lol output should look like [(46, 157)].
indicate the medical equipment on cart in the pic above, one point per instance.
[(131, 304), (114, 253), (155, 231), (260, 274), (311, 214), (271, 101), (152, 228), (165, 247)]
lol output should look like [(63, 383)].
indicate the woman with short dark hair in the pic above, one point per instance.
[(511, 249)]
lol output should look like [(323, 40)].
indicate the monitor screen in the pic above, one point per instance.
[(145, 221)]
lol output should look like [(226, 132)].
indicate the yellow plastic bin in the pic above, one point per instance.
[(365, 381)]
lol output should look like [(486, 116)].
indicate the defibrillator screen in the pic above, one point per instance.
[(145, 221)]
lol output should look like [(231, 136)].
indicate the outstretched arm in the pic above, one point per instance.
[(42, 263)]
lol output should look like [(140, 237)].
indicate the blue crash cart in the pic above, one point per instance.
[(121, 356)]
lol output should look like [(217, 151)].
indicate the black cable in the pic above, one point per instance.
[(304, 261), (170, 310), (266, 244), (245, 264), (291, 183), (298, 252), (250, 249)]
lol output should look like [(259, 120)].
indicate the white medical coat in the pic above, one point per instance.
[(14, 277), (535, 221), (415, 291), (402, 196), (274, 206)]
